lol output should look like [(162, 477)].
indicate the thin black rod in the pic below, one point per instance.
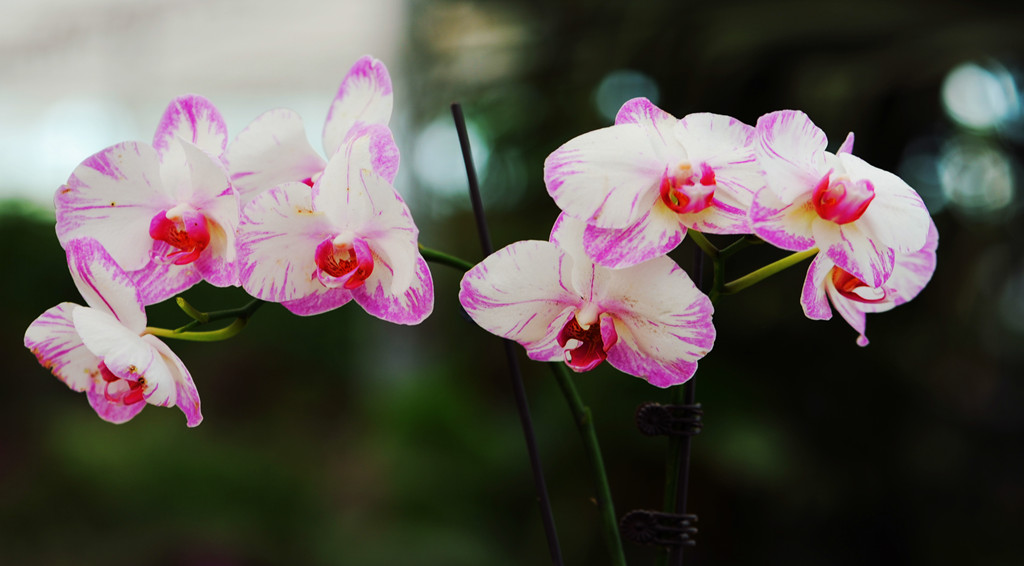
[(689, 398), (510, 355)]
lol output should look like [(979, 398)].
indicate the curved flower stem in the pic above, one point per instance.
[(767, 271), (585, 424), (444, 259), (241, 316), (702, 242), (518, 390)]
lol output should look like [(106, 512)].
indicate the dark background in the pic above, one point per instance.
[(340, 439)]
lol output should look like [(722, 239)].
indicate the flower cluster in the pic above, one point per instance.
[(603, 288), (143, 222)]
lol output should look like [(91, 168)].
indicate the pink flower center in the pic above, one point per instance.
[(841, 200), (343, 263), (122, 391), (185, 232), (854, 289), (687, 190), (585, 348)]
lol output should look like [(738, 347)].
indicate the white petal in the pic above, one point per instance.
[(791, 149), (53, 340), (194, 119), (273, 149), (103, 284), (364, 96)]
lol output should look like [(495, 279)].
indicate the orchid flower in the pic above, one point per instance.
[(854, 299), (166, 213), (648, 320), (861, 217), (640, 183), (351, 237), (274, 148), (103, 349)]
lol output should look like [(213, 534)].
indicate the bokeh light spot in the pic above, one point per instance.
[(619, 86), (979, 97)]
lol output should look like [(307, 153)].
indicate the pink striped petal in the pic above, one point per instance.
[(186, 396), (655, 234), (160, 281), (277, 239), (364, 96), (349, 192), (115, 413), (813, 298), (112, 197), (850, 248), (663, 322), (193, 119), (791, 149), (788, 226), (53, 340), (380, 297), (609, 177), (520, 292), (103, 284), (897, 217), (273, 149)]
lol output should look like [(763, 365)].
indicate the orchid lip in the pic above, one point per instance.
[(585, 348), (184, 230), (343, 261), (687, 190), (854, 289), (840, 199), (122, 391)]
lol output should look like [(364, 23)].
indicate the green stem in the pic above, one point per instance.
[(767, 271), (702, 242), (204, 336), (444, 259), (240, 314), (585, 424)]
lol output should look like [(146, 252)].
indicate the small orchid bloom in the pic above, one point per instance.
[(103, 350), (274, 148), (861, 217), (350, 237), (826, 282), (648, 320), (641, 183), (166, 213)]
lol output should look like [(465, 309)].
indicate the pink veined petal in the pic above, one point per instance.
[(160, 281), (201, 179), (852, 312), (383, 152), (790, 227), (273, 149), (194, 119), (391, 230), (609, 177), (112, 197), (642, 111), (350, 192), (319, 301), (364, 96), (663, 322), (115, 413), (186, 396), (855, 252), (847, 146), (791, 150), (911, 273), (520, 291), (568, 234), (896, 217), (277, 240), (655, 234), (53, 340), (103, 284), (813, 299), (378, 297)]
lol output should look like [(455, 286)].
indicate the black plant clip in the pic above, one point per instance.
[(655, 419), (659, 529)]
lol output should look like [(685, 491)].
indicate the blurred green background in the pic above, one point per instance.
[(339, 439)]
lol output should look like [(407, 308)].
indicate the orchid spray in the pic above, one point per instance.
[(142, 223)]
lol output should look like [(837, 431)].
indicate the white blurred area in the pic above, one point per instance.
[(79, 75)]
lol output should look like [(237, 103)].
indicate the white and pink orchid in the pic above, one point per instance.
[(647, 320), (167, 212), (349, 238), (640, 183), (861, 217), (274, 148), (826, 282), (103, 349)]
